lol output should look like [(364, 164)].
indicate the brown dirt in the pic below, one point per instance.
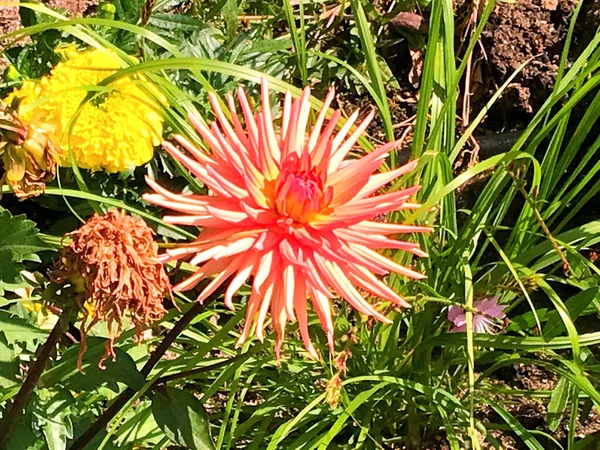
[(73, 7), (403, 107), (530, 412), (10, 19), (520, 31)]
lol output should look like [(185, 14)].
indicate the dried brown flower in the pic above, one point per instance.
[(333, 391), (341, 360), (112, 264), (29, 153)]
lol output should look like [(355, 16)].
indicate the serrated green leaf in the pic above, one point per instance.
[(17, 330), (182, 418), (52, 415), (9, 366), (230, 14), (272, 45), (19, 241)]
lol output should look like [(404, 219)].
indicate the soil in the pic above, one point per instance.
[(532, 413), (533, 30), (10, 19)]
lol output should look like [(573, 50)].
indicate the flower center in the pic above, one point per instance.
[(298, 195)]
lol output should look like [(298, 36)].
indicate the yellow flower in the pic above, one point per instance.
[(114, 131)]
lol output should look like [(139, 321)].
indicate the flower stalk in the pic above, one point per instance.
[(11, 419), (102, 421)]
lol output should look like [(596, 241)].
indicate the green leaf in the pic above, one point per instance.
[(122, 369), (588, 443), (25, 439), (9, 366), (576, 305), (139, 427), (52, 414), (182, 418), (17, 330), (19, 241), (272, 45), (373, 67), (527, 438), (230, 13), (298, 38), (558, 403), (177, 22), (129, 10)]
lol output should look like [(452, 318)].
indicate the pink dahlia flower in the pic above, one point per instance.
[(486, 314), (288, 208)]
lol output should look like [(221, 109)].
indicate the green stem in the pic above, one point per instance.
[(100, 424), (11, 419)]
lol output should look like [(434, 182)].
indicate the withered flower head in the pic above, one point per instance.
[(29, 152), (112, 264), (333, 391)]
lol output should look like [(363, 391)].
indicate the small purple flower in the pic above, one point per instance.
[(486, 313)]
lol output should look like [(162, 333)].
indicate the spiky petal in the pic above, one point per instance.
[(289, 208)]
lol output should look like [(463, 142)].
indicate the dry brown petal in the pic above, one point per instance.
[(112, 260), (28, 153)]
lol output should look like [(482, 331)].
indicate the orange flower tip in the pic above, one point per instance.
[(411, 165), (384, 320), (228, 302), (312, 353), (278, 352), (331, 348)]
